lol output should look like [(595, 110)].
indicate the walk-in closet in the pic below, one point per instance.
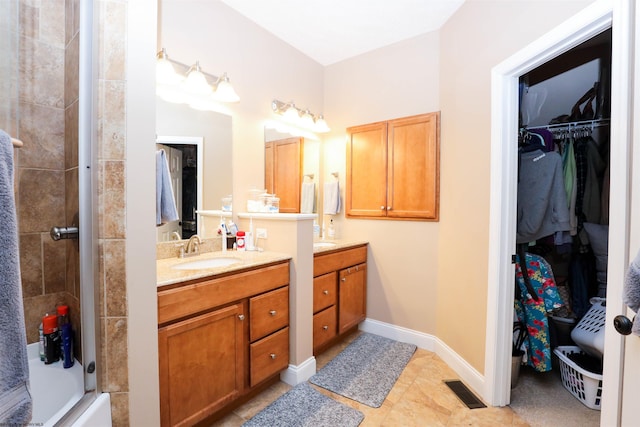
[(562, 236)]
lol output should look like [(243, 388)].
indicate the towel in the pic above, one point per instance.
[(632, 291), (331, 198), (15, 399), (166, 210), (308, 197)]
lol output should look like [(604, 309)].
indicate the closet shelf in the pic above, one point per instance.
[(570, 125)]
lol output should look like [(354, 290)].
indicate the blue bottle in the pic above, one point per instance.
[(67, 345)]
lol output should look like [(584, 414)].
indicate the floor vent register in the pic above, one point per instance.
[(464, 394)]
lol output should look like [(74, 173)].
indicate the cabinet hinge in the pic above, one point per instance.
[(513, 259)]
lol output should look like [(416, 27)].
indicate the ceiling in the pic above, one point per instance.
[(330, 31)]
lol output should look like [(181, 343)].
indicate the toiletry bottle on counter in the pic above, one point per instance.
[(240, 240), (332, 230), (51, 338)]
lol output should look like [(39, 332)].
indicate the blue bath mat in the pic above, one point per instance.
[(366, 370), (302, 406)]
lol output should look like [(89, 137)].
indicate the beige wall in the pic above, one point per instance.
[(396, 81), (470, 46)]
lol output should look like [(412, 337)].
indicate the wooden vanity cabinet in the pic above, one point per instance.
[(339, 294), (219, 338), (201, 365)]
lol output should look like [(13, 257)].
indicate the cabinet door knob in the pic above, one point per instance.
[(273, 355), (344, 279), (325, 327), (272, 312), (241, 316), (326, 292), (381, 208)]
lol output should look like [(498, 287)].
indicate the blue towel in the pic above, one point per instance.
[(166, 210), (331, 198), (15, 400)]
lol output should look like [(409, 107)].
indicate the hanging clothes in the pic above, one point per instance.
[(534, 313), (542, 199)]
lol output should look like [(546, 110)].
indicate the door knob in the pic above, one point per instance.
[(622, 324)]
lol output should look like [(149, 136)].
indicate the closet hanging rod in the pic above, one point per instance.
[(582, 123)]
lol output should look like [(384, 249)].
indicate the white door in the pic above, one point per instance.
[(621, 388), (631, 354), (174, 157)]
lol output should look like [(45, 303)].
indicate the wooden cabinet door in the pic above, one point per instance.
[(413, 167), (283, 172), (393, 169), (202, 365), (352, 297), (366, 182)]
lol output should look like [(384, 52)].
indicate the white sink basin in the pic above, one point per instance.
[(206, 263), (323, 244)]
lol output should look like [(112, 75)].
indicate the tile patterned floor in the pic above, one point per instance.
[(419, 398)]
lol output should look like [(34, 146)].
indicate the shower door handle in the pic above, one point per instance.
[(58, 233)]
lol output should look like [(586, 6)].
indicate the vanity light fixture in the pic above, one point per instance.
[(302, 118), (178, 83)]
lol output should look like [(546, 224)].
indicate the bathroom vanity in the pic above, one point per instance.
[(222, 332), (339, 292)]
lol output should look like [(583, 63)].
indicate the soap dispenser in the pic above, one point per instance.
[(332, 230)]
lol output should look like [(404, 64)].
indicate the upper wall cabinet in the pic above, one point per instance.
[(283, 171), (393, 169)]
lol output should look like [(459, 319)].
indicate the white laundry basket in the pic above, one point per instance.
[(589, 332), (584, 385)]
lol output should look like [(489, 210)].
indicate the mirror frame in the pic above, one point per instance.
[(198, 141)]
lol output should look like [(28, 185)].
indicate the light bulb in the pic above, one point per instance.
[(196, 82), (224, 91)]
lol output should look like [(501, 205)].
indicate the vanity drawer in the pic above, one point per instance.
[(268, 313), (324, 291), (338, 260), (324, 326), (200, 296), (269, 356)]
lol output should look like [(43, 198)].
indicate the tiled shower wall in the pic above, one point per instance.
[(47, 175), (46, 166), (112, 86)]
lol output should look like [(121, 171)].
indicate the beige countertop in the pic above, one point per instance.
[(167, 275), (322, 246)]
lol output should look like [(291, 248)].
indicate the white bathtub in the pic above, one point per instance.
[(56, 390)]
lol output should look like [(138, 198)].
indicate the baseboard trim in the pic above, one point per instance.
[(398, 333), (468, 374), (296, 374)]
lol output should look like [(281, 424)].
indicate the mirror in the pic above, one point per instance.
[(292, 169), (181, 127)]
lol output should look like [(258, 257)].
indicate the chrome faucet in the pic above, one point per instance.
[(193, 245)]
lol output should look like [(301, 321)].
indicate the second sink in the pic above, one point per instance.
[(323, 244), (206, 263)]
